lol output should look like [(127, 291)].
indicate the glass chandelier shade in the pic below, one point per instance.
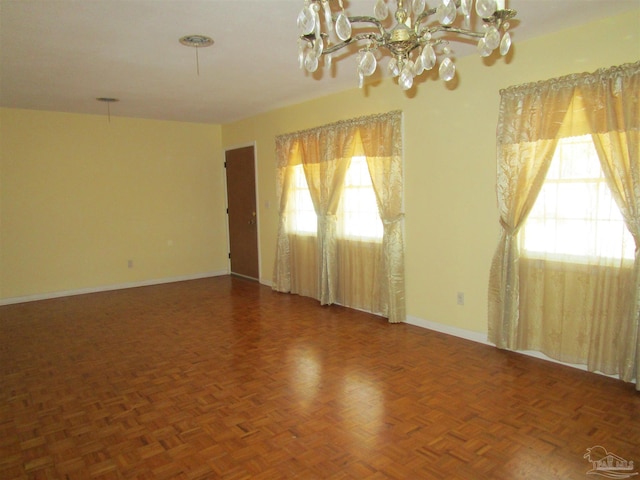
[(418, 38)]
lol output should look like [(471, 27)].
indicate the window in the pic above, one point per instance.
[(575, 214), (302, 216), (358, 212), (358, 215)]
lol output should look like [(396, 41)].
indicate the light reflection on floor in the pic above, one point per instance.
[(359, 398), (306, 374)]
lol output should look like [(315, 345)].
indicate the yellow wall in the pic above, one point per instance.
[(80, 197), (449, 145)]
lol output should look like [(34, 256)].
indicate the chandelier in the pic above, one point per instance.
[(412, 42)]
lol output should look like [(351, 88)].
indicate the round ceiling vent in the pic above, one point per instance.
[(196, 41)]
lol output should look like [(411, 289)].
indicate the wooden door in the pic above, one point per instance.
[(242, 212)]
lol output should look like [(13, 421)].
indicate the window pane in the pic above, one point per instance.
[(575, 157), (576, 200), (575, 213), (359, 217), (301, 217)]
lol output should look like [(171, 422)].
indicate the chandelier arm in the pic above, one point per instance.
[(496, 19), (356, 38), (367, 19), (448, 28), (417, 45), (310, 38), (422, 16)]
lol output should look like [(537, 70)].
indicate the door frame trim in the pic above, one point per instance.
[(226, 200)]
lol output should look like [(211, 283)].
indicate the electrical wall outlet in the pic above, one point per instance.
[(130, 263), (460, 298)]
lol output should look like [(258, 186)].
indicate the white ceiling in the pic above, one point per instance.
[(62, 54)]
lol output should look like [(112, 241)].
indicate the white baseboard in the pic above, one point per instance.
[(482, 338), (449, 330), (106, 288)]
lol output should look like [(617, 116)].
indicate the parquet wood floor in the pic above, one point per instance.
[(222, 378)]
